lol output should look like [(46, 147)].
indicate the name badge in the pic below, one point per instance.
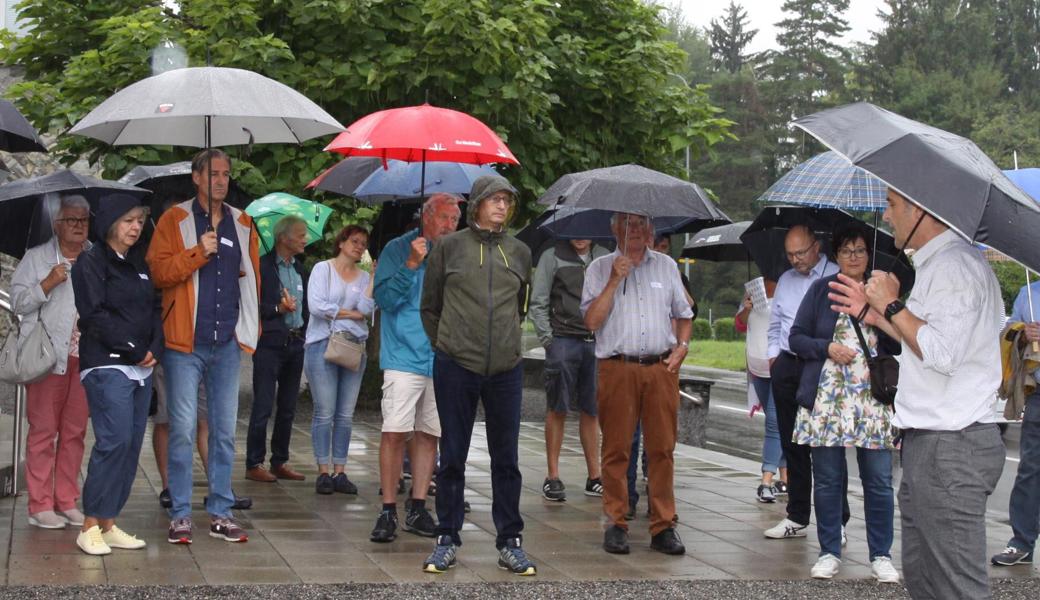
[(656, 285), (227, 242), (143, 276), (299, 287)]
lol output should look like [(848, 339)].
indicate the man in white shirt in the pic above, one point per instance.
[(952, 453)]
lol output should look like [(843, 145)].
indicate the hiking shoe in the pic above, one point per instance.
[(386, 527), (594, 487), (48, 519), (227, 529), (324, 484), (786, 529), (443, 556), (165, 500), (553, 490), (1012, 556), (117, 538), (180, 531), (91, 542), (780, 487), (668, 542), (419, 522), (512, 557), (343, 485), (884, 571), (826, 567), (765, 494)]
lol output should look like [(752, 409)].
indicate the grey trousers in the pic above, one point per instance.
[(947, 477)]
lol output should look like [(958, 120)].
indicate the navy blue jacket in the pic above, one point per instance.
[(813, 331), (273, 330)]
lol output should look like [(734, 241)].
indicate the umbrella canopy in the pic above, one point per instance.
[(206, 107), (719, 244), (404, 181), (344, 177), (635, 189), (172, 183), (538, 237), (23, 223), (827, 180), (945, 174), (423, 133), (764, 240), (16, 133), (1026, 179), (270, 209)]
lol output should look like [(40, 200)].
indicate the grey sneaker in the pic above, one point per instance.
[(553, 490), (1012, 556), (180, 531), (512, 557), (443, 556)]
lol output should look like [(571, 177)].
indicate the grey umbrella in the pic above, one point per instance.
[(16, 134), (718, 244), (344, 176), (943, 173)]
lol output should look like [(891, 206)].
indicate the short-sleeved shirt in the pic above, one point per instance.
[(640, 321), (217, 313)]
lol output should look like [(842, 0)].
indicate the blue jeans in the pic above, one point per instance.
[(119, 415), (829, 477), (1025, 496), (772, 452), (334, 391), (216, 366)]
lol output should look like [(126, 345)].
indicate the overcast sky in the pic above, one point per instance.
[(861, 16)]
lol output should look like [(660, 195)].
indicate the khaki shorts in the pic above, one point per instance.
[(409, 404)]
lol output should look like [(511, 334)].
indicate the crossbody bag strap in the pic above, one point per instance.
[(862, 340)]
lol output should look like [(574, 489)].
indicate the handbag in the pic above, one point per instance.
[(344, 349), (29, 361), (884, 371)]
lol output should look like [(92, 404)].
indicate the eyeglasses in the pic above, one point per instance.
[(500, 199), (852, 252), (75, 221), (800, 254)]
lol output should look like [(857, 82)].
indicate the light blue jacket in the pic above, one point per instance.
[(398, 289)]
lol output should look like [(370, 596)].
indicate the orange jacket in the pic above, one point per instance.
[(175, 258)]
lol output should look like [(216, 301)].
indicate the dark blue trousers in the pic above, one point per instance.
[(276, 386), (458, 390), (119, 415)]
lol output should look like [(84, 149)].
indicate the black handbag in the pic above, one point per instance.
[(884, 371)]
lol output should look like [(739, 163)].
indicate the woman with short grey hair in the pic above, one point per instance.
[(56, 405)]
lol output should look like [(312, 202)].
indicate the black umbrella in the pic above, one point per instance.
[(23, 222), (171, 183), (764, 240), (719, 244), (538, 237), (16, 134), (344, 177), (945, 174)]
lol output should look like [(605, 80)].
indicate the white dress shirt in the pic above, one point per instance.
[(790, 290), (955, 383)]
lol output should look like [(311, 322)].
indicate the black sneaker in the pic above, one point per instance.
[(667, 542), (766, 494), (344, 485), (553, 490), (615, 540), (594, 487), (780, 488), (324, 484), (165, 500), (1012, 556), (240, 503), (420, 522), (386, 527), (465, 506)]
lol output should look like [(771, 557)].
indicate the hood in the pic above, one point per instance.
[(484, 186), (110, 209)]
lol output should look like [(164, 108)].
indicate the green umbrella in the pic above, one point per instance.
[(267, 211)]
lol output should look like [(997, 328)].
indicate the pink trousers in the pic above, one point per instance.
[(57, 411)]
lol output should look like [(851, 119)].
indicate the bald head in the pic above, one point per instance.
[(802, 248)]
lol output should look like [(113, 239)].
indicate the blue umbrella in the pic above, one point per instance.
[(1027, 179), (401, 180), (827, 180)]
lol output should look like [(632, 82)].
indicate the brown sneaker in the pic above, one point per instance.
[(227, 530), (285, 472), (259, 473)]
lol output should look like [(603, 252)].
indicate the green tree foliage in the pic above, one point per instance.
[(1011, 277), (730, 38)]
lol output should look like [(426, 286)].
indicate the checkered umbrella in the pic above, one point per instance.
[(828, 181)]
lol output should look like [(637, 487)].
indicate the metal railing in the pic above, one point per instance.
[(19, 410)]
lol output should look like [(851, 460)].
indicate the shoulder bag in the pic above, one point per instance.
[(343, 348), (884, 371), (29, 361)]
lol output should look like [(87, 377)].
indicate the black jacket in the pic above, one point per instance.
[(273, 330)]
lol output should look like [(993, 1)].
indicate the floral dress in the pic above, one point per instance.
[(844, 413)]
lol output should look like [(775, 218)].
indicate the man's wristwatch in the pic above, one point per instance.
[(685, 344), (893, 307)]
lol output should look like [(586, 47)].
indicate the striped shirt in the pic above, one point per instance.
[(640, 321)]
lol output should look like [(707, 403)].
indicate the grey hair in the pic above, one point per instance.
[(441, 199), (284, 224), (614, 218), (54, 202)]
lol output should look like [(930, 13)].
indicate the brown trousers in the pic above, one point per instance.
[(627, 393)]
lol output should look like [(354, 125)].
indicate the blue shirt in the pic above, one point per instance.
[(790, 289), (1020, 310), (217, 311), (291, 280), (398, 289)]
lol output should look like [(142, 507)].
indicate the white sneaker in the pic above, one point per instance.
[(884, 571), (826, 567), (73, 516), (91, 542), (48, 519), (844, 538), (786, 529), (117, 538)]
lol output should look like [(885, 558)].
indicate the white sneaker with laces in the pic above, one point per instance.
[(884, 571), (91, 542), (826, 567), (73, 516), (786, 529), (48, 519), (117, 538)]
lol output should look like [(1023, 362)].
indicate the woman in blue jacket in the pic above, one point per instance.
[(121, 339)]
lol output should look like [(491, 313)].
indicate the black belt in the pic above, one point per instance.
[(584, 338), (651, 359)]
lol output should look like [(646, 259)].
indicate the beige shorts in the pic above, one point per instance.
[(409, 404)]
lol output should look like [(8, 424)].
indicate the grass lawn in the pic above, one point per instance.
[(718, 355)]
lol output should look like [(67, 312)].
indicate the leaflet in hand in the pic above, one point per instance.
[(756, 288)]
